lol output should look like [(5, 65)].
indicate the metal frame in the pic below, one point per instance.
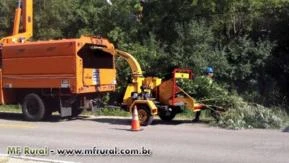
[(179, 70)]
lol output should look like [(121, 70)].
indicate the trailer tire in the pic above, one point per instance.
[(167, 116), (144, 115), (33, 107)]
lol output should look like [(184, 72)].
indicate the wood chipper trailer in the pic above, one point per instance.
[(56, 75), (152, 96)]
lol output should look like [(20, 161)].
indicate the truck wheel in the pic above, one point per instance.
[(76, 110), (144, 115), (168, 116), (48, 114), (33, 107)]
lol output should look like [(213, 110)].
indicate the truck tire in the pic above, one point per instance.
[(33, 107), (76, 109), (144, 115), (48, 114)]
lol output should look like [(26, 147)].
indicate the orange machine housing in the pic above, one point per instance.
[(78, 66)]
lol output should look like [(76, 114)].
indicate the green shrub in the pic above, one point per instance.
[(240, 114), (252, 116), (208, 93)]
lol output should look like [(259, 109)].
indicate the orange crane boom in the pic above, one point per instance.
[(26, 8)]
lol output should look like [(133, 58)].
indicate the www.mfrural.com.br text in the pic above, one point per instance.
[(93, 151)]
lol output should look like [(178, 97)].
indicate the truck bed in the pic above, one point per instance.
[(84, 65)]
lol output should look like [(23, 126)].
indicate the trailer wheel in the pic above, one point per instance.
[(144, 115), (169, 113), (33, 107), (168, 116)]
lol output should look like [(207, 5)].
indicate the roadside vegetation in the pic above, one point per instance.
[(108, 112), (10, 108), (253, 116), (239, 113)]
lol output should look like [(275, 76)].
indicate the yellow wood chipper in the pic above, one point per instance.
[(153, 96)]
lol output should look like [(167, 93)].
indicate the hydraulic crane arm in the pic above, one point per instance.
[(25, 7), (17, 19)]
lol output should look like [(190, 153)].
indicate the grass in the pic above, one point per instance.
[(100, 112), (185, 115), (108, 112), (10, 108)]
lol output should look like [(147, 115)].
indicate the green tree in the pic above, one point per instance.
[(6, 17)]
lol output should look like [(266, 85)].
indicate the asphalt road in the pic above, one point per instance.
[(179, 141)]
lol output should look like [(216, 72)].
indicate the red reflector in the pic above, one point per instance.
[(198, 106)]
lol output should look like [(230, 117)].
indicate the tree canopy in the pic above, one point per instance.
[(245, 41)]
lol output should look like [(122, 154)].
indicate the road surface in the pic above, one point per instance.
[(178, 141)]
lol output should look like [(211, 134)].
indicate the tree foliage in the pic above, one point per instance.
[(245, 41)]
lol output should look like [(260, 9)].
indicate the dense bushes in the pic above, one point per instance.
[(209, 93), (239, 113), (252, 116)]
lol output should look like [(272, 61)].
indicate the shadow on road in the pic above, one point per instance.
[(178, 122), (19, 117), (115, 121), (108, 120), (127, 121), (11, 116)]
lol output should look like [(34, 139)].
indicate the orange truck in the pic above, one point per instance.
[(56, 75)]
